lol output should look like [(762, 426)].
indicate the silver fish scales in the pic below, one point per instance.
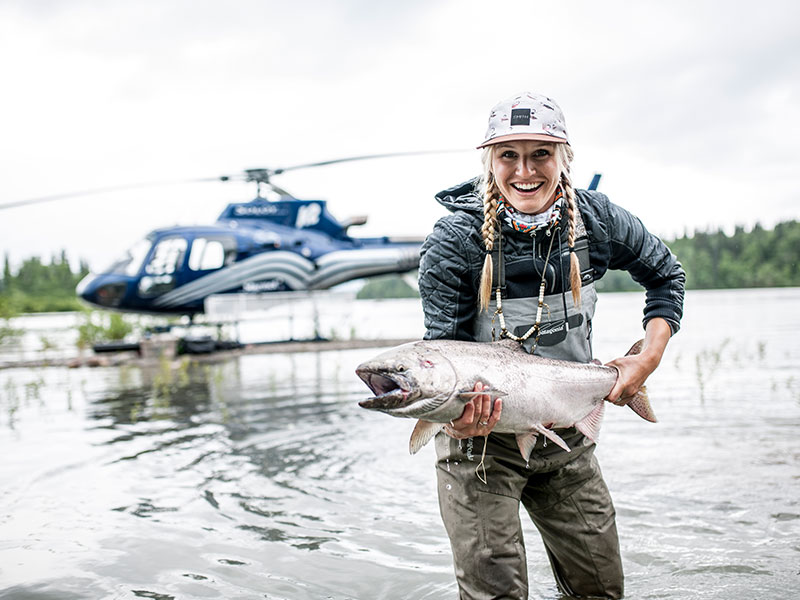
[(432, 381)]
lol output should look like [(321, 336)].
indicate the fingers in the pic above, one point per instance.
[(626, 386), (632, 371), (466, 419), (623, 400), (462, 427), (479, 417), (483, 406), (495, 416), (621, 395), (615, 393)]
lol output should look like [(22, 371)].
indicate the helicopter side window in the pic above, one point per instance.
[(167, 258), (211, 253)]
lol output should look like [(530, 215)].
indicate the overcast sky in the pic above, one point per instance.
[(689, 109)]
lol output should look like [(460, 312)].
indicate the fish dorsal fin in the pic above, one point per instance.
[(510, 344), (590, 424), (423, 432), (552, 436), (640, 404)]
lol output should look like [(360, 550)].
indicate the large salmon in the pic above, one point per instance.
[(433, 380)]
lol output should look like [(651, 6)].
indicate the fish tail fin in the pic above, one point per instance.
[(636, 348), (590, 424), (423, 432), (640, 404)]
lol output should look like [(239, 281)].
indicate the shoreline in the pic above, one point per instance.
[(132, 358)]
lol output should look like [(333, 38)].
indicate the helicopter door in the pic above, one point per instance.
[(161, 270)]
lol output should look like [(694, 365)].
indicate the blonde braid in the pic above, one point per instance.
[(566, 155), (491, 196)]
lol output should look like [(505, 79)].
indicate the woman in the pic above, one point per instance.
[(518, 258)]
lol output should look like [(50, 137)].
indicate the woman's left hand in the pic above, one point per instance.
[(634, 369)]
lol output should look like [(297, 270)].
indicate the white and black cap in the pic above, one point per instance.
[(526, 116)]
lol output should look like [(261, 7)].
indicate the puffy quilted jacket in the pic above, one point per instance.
[(453, 254)]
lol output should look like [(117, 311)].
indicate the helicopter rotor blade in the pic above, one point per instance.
[(257, 175), (105, 190), (363, 157)]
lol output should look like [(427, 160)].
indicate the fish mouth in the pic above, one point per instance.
[(391, 389)]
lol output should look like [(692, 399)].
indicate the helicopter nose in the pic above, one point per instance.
[(107, 294), (84, 284)]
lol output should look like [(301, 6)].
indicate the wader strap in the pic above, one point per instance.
[(581, 249), (498, 264)]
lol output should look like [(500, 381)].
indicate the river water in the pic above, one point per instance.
[(260, 477)]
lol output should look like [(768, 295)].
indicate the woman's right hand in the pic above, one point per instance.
[(478, 418)]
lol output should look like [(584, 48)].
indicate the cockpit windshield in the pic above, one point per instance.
[(131, 262)]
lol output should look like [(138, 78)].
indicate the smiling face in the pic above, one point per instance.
[(527, 173)]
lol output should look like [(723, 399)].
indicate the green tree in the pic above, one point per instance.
[(758, 258), (388, 286), (37, 287), (713, 259), (6, 275)]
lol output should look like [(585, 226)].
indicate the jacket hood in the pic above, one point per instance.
[(464, 196)]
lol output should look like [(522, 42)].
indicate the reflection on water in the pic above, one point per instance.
[(261, 477)]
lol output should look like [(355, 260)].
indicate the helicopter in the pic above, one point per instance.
[(261, 246), (256, 247)]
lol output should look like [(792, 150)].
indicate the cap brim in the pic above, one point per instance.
[(534, 137)]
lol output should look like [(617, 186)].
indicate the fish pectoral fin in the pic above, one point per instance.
[(640, 404), (552, 436), (491, 392), (526, 442), (423, 432), (590, 424)]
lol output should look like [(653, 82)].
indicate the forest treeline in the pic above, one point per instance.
[(39, 287), (757, 258), (712, 260), (746, 259)]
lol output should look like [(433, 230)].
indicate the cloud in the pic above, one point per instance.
[(684, 106)]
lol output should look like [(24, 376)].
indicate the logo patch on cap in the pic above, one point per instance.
[(520, 116)]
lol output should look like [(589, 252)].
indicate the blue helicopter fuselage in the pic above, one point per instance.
[(258, 246)]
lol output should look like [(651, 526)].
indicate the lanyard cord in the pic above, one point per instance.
[(535, 328)]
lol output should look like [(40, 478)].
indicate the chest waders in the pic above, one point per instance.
[(564, 493), (565, 330)]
